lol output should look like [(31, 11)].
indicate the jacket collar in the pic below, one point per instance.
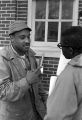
[(10, 54), (76, 61)]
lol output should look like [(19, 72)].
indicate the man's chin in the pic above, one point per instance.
[(26, 49)]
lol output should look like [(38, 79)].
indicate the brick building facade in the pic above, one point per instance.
[(17, 10)]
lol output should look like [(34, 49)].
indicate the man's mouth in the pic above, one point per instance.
[(27, 45)]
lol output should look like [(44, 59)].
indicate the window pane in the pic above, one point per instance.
[(53, 9), (40, 9), (67, 9), (65, 25), (52, 31), (39, 31)]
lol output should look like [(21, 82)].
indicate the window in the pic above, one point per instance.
[(49, 19)]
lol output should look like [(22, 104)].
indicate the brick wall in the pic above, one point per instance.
[(50, 68), (11, 10), (50, 65), (80, 5), (80, 9), (7, 14), (21, 9)]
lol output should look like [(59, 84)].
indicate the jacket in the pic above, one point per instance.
[(65, 102), (15, 100)]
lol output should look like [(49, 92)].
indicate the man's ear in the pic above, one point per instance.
[(12, 38), (71, 50)]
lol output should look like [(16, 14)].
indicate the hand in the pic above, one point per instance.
[(32, 76)]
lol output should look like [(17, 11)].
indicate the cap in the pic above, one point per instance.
[(17, 25)]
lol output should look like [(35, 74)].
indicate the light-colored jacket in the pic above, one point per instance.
[(15, 101), (65, 102)]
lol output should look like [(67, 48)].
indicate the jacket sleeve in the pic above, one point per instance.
[(10, 91), (43, 93), (62, 103)]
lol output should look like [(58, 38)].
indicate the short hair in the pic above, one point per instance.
[(72, 37)]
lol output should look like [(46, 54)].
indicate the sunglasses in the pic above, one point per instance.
[(60, 45)]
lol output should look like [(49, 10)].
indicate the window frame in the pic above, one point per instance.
[(50, 49)]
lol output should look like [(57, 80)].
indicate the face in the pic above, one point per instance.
[(66, 49), (21, 41), (67, 52)]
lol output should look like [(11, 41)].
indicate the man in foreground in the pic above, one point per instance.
[(65, 102), (19, 78)]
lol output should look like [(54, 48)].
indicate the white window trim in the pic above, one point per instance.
[(49, 50)]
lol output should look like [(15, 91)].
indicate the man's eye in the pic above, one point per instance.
[(28, 37), (22, 37)]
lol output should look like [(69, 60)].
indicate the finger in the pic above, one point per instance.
[(38, 69)]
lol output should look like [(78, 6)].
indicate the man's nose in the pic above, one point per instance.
[(27, 40)]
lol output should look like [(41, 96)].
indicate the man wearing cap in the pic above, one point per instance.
[(65, 101), (19, 78)]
